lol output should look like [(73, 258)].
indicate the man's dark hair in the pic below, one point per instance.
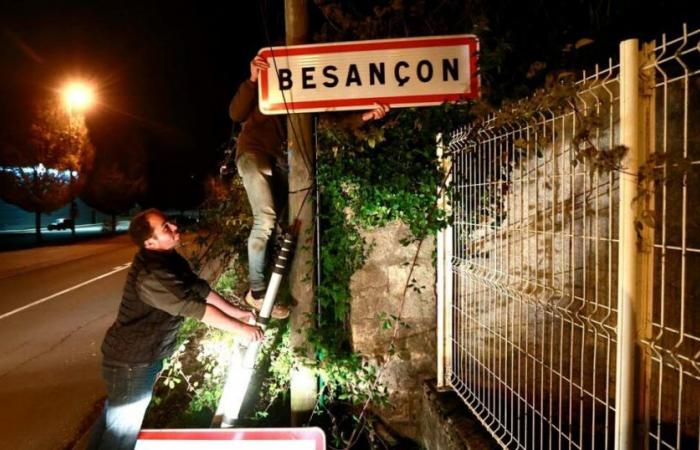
[(139, 228)]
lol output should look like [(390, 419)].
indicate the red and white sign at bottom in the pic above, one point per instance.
[(233, 439)]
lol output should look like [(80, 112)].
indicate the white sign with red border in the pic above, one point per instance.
[(358, 75), (233, 439)]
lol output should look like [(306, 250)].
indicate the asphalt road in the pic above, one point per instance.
[(53, 316), (22, 239)]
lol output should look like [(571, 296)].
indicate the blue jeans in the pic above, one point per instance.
[(265, 182), (129, 391)]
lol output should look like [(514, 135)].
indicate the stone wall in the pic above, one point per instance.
[(377, 290)]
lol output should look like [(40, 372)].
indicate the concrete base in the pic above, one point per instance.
[(447, 424)]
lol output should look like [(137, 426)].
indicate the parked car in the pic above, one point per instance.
[(63, 223), (107, 226)]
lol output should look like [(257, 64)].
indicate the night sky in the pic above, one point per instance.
[(165, 72)]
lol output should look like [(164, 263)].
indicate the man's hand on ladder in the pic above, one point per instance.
[(251, 333)]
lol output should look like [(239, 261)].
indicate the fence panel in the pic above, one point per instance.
[(673, 347), (533, 317)]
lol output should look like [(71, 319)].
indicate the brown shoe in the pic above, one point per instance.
[(278, 311)]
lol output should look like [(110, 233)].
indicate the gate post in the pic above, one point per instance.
[(444, 276), (636, 251), (628, 299)]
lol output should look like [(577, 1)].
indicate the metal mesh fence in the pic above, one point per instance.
[(531, 321), (672, 340)]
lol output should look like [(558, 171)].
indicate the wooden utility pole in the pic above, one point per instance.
[(304, 386)]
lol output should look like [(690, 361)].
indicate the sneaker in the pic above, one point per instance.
[(278, 311)]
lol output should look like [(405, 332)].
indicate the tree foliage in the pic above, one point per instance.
[(117, 179), (44, 166), (520, 42)]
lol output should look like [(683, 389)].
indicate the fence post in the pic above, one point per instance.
[(627, 275), (444, 277), (645, 267)]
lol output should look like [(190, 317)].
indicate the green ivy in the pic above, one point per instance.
[(192, 378), (368, 178)]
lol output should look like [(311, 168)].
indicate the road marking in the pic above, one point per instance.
[(45, 299)]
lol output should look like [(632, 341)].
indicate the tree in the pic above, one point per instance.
[(42, 166), (118, 178), (520, 42)]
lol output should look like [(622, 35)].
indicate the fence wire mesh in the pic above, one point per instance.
[(672, 342), (533, 312)]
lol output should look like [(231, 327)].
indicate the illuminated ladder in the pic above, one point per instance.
[(238, 377)]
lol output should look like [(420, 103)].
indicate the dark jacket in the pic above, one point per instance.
[(261, 134), (267, 134), (160, 290)]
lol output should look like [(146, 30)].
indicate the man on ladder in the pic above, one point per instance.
[(261, 160)]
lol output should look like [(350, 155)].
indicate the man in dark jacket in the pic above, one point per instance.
[(262, 164), (160, 291)]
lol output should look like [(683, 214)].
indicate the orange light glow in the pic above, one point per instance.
[(78, 96)]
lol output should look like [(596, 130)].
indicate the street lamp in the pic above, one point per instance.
[(77, 97)]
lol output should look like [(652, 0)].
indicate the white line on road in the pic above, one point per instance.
[(115, 270)]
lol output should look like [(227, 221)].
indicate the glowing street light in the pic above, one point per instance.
[(78, 96)]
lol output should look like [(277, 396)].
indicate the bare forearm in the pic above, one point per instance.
[(214, 299), (215, 317)]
